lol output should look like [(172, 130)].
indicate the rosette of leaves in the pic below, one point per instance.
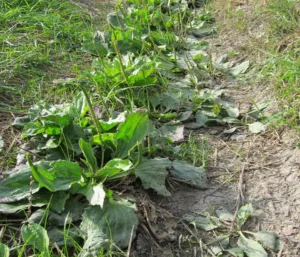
[(67, 174)]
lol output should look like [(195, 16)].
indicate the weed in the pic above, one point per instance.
[(78, 151), (194, 151)]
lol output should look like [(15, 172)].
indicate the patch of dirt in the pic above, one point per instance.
[(270, 163), (9, 138)]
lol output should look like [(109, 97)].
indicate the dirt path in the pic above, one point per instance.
[(269, 164), (264, 167)]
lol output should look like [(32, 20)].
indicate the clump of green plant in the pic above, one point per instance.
[(79, 154), (229, 238), (73, 160), (195, 151)]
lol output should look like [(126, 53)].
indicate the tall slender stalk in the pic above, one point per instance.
[(96, 122)]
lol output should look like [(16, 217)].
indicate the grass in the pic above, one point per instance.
[(41, 41), (276, 50)]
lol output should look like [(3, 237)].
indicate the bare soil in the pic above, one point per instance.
[(270, 164)]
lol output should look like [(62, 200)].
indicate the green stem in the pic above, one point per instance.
[(96, 122), (140, 155)]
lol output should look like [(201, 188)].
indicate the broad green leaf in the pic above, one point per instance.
[(57, 203), (74, 209), (221, 242), (10, 208), (52, 130), (89, 155), (229, 120), (56, 175), (112, 122), (84, 122), (165, 100), (107, 140), (79, 106), (95, 47), (32, 129), (257, 127), (72, 134), (236, 252), (200, 33), (35, 235), (116, 20), (240, 68), (96, 195), (4, 250), (18, 186), (61, 120), (114, 222), (201, 118), (64, 237), (251, 247), (184, 116), (153, 173), (41, 216), (20, 122), (189, 174), (205, 223), (257, 109), (113, 167), (192, 125), (268, 239), (244, 213), (52, 143), (131, 132)]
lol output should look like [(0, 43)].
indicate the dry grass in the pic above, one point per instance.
[(268, 34)]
